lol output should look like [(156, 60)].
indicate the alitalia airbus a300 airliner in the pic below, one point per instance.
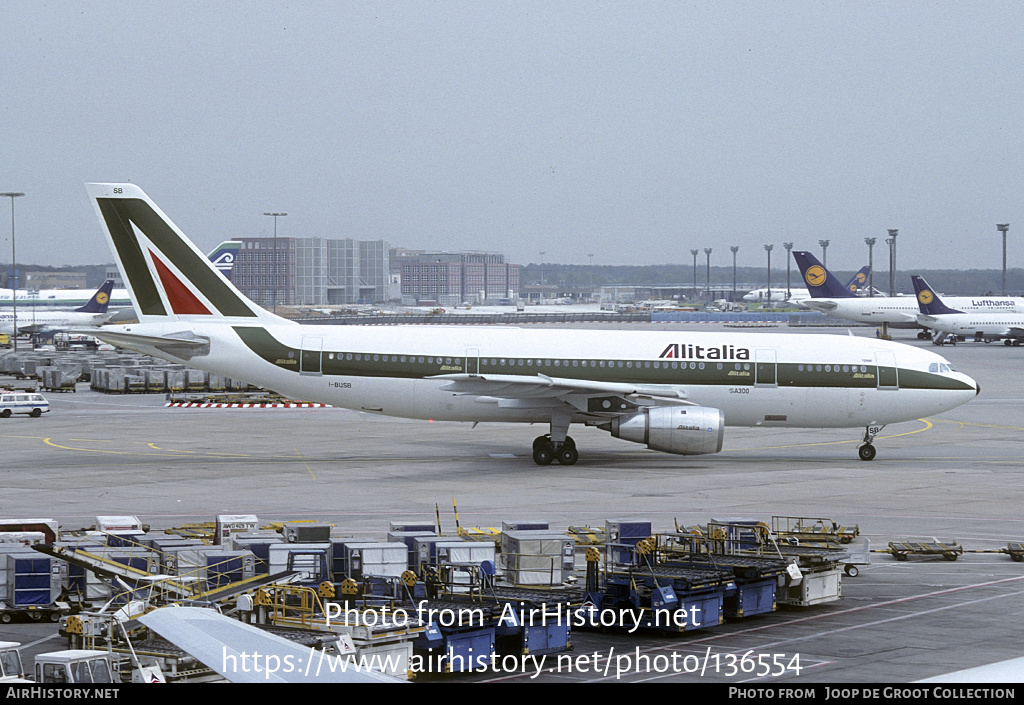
[(672, 391)]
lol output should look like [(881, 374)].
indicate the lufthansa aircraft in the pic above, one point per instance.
[(94, 313), (798, 296), (828, 296), (672, 391), (1006, 326)]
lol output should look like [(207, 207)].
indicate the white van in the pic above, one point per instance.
[(22, 403)]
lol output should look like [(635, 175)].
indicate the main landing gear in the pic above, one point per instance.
[(867, 451), (546, 451)]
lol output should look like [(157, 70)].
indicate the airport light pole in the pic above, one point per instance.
[(824, 252), (735, 249), (273, 269), (1003, 228), (789, 247), (871, 265), (707, 251), (892, 261), (13, 266), (694, 253), (768, 249)]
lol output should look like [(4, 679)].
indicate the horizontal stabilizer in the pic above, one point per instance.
[(184, 345)]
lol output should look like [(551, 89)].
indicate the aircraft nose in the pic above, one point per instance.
[(978, 389)]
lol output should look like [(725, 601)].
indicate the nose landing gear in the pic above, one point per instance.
[(867, 451)]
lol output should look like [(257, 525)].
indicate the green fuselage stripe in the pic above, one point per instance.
[(679, 372)]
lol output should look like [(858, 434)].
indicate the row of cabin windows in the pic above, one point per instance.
[(521, 362), (832, 368)]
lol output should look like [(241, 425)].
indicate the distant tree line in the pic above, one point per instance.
[(969, 282)]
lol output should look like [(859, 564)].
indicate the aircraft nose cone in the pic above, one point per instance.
[(978, 389)]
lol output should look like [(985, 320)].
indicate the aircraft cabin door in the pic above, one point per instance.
[(311, 355), (888, 375), (765, 368), (472, 361)]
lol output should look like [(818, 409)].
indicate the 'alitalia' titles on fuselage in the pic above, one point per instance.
[(701, 352)]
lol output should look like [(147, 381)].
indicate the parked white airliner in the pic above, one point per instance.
[(93, 313), (937, 315), (672, 391), (828, 296)]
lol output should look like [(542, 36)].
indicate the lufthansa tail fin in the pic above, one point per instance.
[(859, 280), (821, 283), (927, 300), (100, 300), (168, 277)]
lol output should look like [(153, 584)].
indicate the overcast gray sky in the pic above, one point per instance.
[(632, 131)]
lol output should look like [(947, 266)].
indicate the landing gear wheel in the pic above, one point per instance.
[(866, 452), (567, 454), (543, 454)]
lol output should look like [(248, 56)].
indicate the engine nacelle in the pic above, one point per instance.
[(683, 430)]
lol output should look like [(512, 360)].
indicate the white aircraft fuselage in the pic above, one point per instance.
[(41, 319), (902, 311), (990, 326), (755, 379)]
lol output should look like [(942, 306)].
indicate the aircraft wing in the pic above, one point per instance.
[(582, 393), (242, 653)]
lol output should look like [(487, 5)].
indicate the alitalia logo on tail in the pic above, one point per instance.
[(677, 351), (191, 286)]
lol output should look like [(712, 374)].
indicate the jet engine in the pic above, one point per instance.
[(683, 430)]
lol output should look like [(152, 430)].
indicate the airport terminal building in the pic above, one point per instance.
[(451, 278), (312, 271)]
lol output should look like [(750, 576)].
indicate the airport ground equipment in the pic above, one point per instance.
[(641, 586), (824, 533), (77, 666), (11, 667), (949, 549), (537, 557), (1014, 549), (31, 585), (748, 550), (587, 535), (812, 530)]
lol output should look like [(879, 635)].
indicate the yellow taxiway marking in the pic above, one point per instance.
[(927, 425), (49, 442)]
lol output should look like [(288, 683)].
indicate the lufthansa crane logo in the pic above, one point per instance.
[(815, 276), (925, 297), (102, 298), (861, 278)]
